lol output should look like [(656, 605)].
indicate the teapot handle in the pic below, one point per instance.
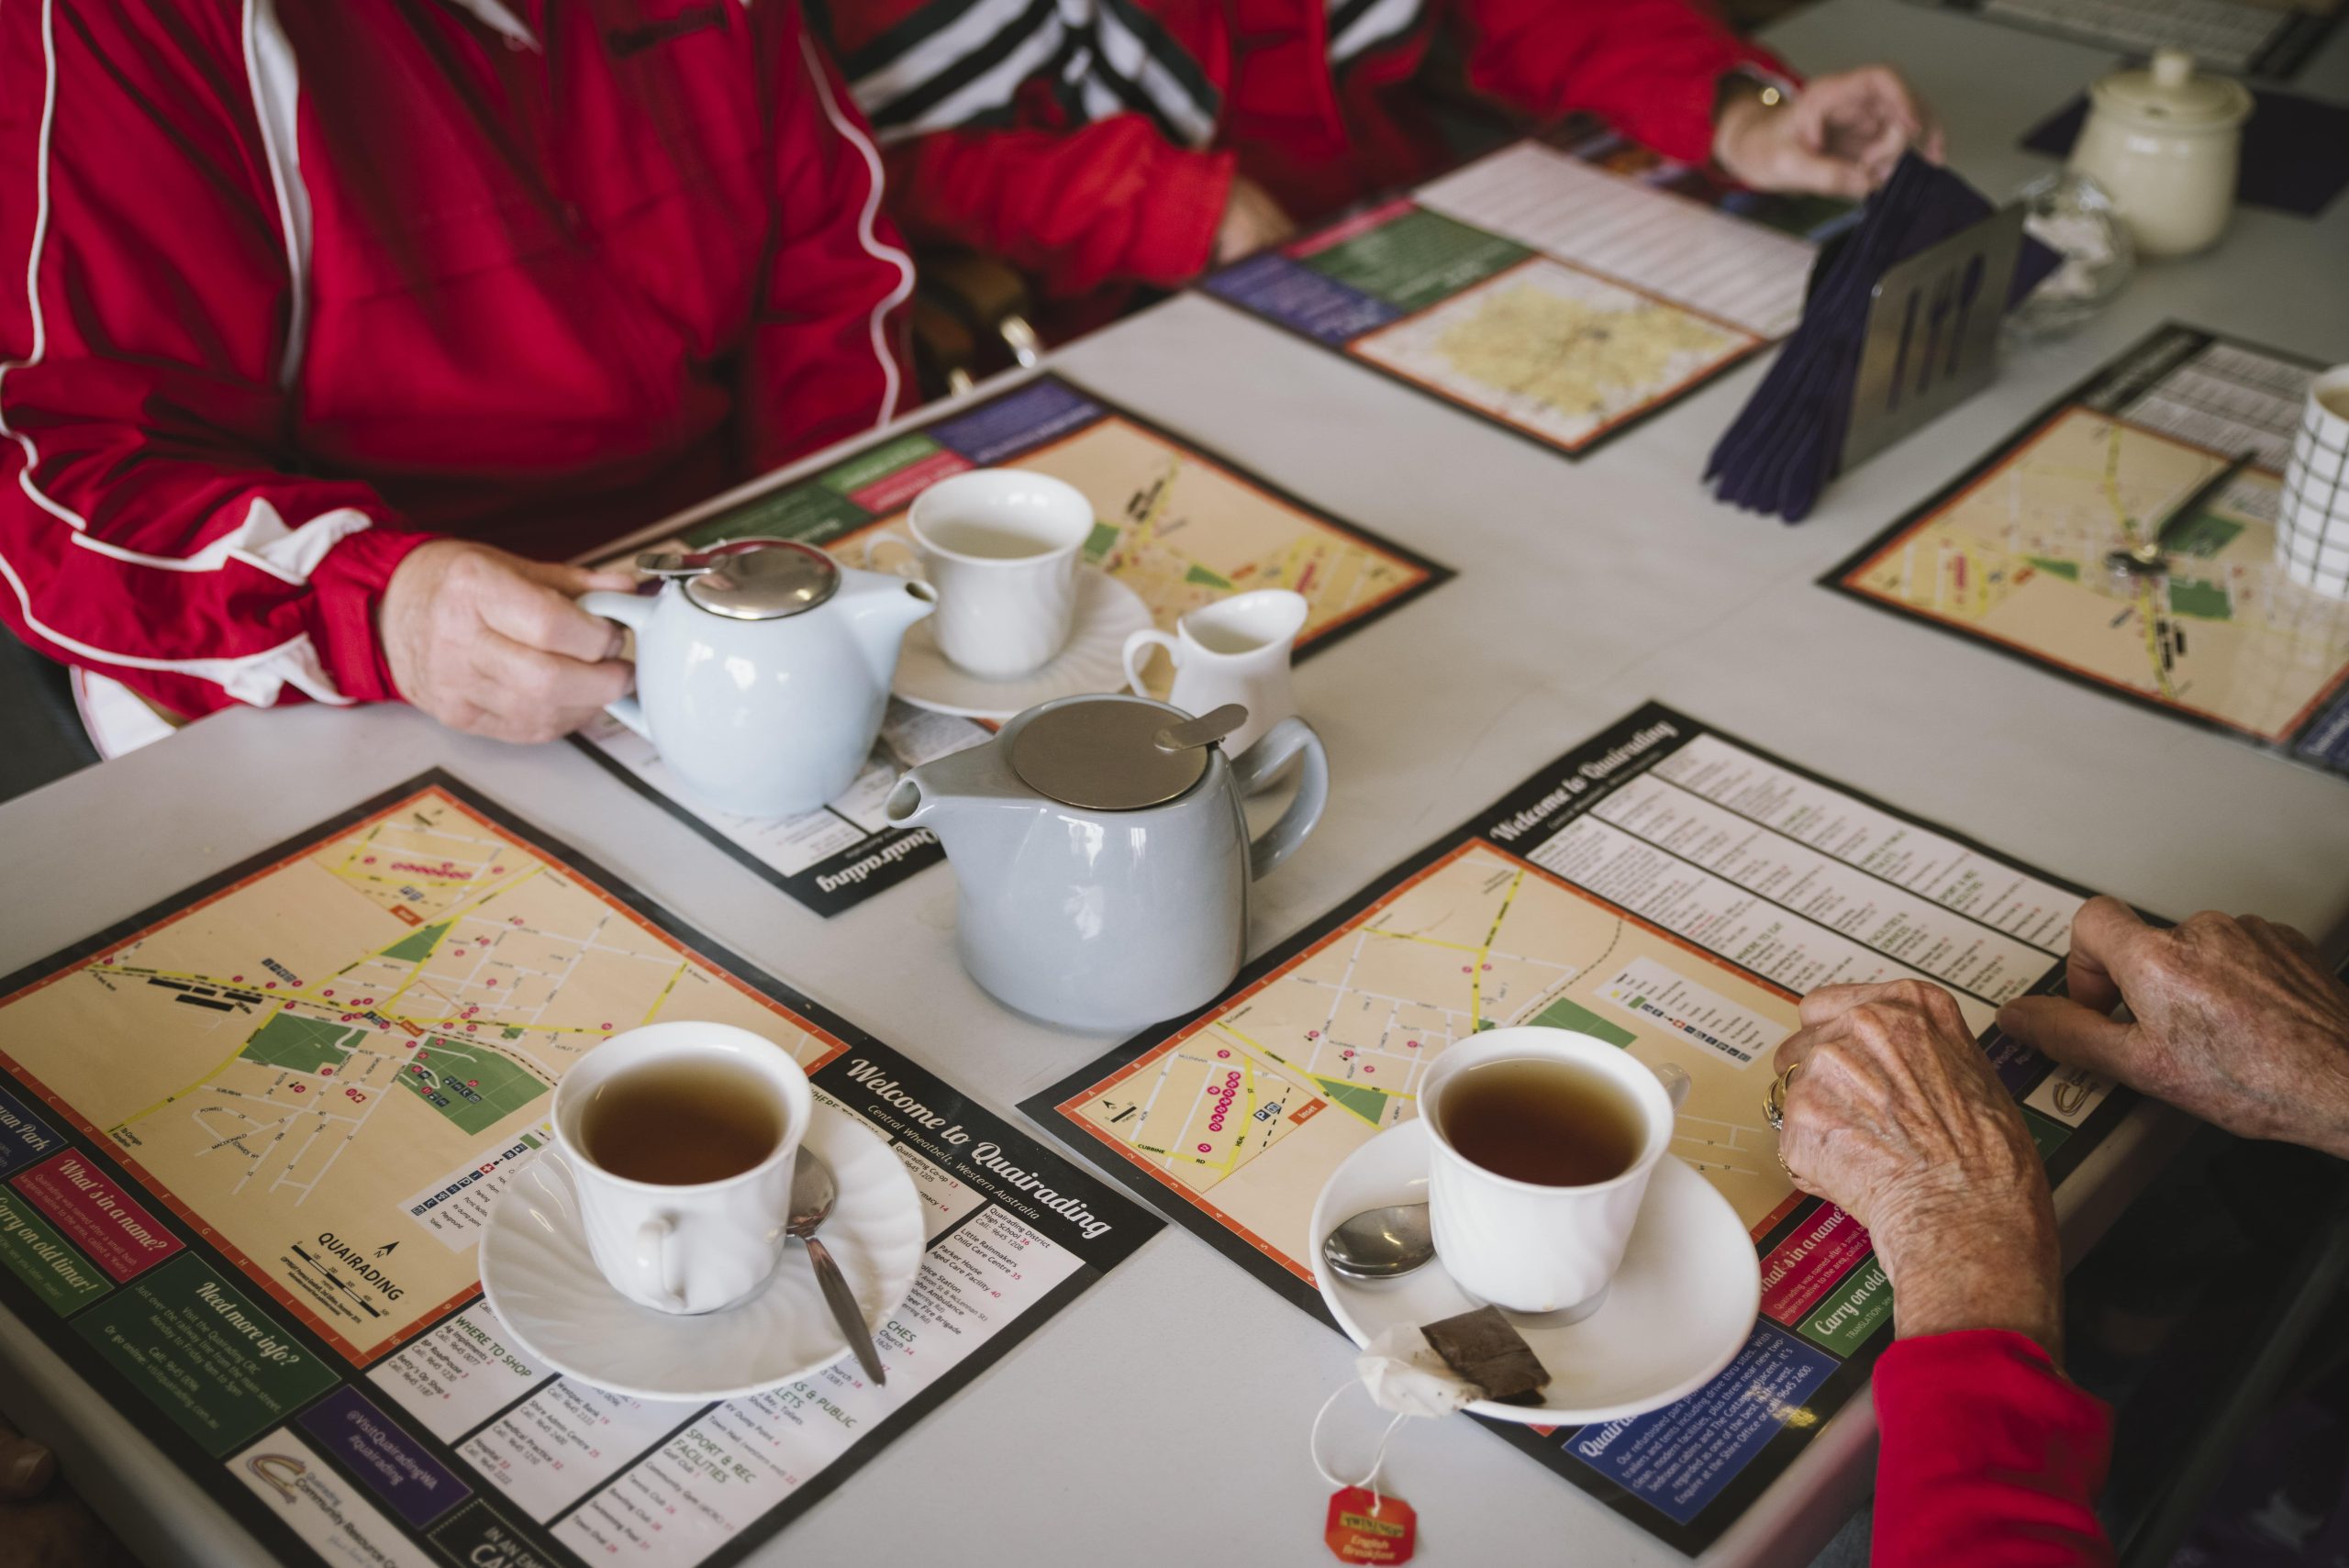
[(634, 613), (1260, 762)]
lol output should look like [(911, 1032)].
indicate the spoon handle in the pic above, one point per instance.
[(842, 1301)]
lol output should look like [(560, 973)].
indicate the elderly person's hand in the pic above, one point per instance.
[(491, 643), (1838, 136), (1892, 1112), (2235, 1020)]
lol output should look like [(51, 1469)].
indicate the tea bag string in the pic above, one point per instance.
[(1370, 1477)]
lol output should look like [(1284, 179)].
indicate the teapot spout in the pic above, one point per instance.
[(881, 610), (973, 801)]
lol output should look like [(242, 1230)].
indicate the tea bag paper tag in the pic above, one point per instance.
[(1402, 1374), (1371, 1527)]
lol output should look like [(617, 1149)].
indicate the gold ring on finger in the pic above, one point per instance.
[(1789, 1170), (1774, 1100)]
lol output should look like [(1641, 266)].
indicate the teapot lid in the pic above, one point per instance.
[(1117, 753), (751, 579), (2170, 92)]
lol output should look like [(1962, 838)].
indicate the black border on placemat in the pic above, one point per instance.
[(925, 850), (210, 1474), (1836, 579), (1853, 1372)]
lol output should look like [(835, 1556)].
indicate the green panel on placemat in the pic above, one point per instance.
[(1417, 258), (206, 1352), (808, 513), (1566, 1014), (36, 1254), (1851, 1311), (2046, 1132)]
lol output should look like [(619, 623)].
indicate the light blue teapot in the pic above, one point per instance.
[(1103, 856), (763, 670)]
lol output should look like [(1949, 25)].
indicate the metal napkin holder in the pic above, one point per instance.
[(1933, 333)]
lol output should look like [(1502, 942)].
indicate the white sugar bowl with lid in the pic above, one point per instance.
[(2166, 142), (763, 669)]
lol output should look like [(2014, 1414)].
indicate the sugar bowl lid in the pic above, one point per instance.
[(757, 578), (1117, 753), (2170, 94)]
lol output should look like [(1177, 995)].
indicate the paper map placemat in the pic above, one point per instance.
[(1674, 892), (1179, 526), (2257, 38), (247, 1140), (2012, 553), (1560, 291)]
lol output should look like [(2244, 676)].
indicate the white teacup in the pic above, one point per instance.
[(1000, 545), (1522, 1245), (1235, 649), (696, 1248), (2312, 512)]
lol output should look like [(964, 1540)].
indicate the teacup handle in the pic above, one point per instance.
[(908, 569), (1675, 1079), (1261, 761), (1138, 647), (634, 613), (651, 1264)]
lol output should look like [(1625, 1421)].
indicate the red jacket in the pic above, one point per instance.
[(1090, 141), (287, 286), (1989, 1459)]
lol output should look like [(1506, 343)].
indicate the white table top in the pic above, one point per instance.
[(1583, 590)]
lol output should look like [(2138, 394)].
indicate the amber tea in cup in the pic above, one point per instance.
[(681, 1121), (1556, 1124)]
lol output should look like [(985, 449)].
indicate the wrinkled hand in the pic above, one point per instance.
[(1841, 136), (491, 643), (1894, 1115), (2236, 1021), (1252, 221)]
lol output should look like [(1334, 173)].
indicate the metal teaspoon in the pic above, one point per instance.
[(1381, 1243), (813, 1192)]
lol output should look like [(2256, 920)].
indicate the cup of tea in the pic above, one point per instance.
[(1540, 1144), (679, 1139), (1000, 545)]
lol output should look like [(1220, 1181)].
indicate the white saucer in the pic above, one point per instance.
[(1680, 1308), (1107, 612), (539, 1277)]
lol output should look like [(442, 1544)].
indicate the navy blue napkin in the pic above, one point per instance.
[(1788, 441)]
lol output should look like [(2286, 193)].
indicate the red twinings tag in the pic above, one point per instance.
[(1367, 1527)]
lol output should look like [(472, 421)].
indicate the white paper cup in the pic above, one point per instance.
[(1000, 546), (694, 1248), (1522, 1245), (2312, 509)]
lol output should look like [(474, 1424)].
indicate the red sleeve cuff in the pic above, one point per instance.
[(346, 586), (1990, 1458), (1174, 234)]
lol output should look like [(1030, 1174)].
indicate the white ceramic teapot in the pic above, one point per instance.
[(2165, 144), (1101, 854), (763, 669)]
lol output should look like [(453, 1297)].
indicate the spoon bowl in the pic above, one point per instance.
[(1380, 1244)]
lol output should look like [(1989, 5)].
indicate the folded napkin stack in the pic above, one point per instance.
[(1788, 442)]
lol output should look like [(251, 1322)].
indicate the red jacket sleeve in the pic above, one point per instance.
[(1108, 200), (151, 525), (827, 354), (1990, 1458), (1649, 66)]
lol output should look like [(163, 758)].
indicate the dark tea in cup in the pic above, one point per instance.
[(681, 1121), (1557, 1124)]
